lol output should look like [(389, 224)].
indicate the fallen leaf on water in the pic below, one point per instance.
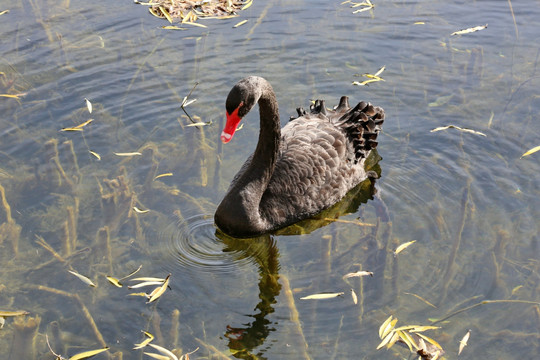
[(200, 123), (88, 105), (95, 154), (402, 247), (88, 354), (460, 129), (532, 151), (146, 283), (172, 27), (13, 313), (148, 340), (4, 12), (135, 153), (139, 211), (114, 281), (358, 274), (322, 296), (147, 278), (463, 341), (163, 175), (354, 297), (164, 351), (240, 23), (83, 278), (247, 5), (159, 290), (469, 30), (195, 24)]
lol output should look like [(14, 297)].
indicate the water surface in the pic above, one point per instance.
[(469, 200)]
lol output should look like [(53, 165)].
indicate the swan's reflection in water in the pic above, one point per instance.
[(199, 248)]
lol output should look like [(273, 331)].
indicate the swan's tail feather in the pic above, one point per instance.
[(362, 124)]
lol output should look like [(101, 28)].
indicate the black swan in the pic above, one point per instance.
[(297, 171)]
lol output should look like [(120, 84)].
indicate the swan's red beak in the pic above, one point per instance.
[(230, 127)]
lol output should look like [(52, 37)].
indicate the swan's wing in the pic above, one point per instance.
[(314, 170), (321, 158)]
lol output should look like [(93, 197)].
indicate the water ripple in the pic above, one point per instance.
[(193, 245)]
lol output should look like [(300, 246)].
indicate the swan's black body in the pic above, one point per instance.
[(297, 171)]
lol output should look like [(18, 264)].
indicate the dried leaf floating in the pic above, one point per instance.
[(83, 278), (154, 295), (469, 30), (139, 211), (78, 127), (148, 340), (371, 77), (135, 153), (88, 354), (240, 23), (460, 129), (322, 296), (163, 175), (172, 27), (358, 274), (191, 11), (463, 342), (532, 151), (402, 247), (164, 351), (114, 281), (4, 12), (13, 313), (354, 297), (95, 154), (88, 105)]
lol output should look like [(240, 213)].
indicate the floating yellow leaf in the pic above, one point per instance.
[(469, 30), (419, 23), (135, 153), (354, 297), (12, 96), (78, 127), (463, 342), (163, 175), (408, 340), (429, 340), (148, 340), (146, 283), (402, 247), (139, 211), (88, 354), (164, 351), (240, 23), (388, 328), (165, 13), (95, 154), (247, 5), (386, 340), (132, 273), (83, 278), (114, 281), (382, 328), (532, 151), (160, 290), (88, 105), (13, 313), (148, 279), (172, 27), (357, 274), (460, 129), (322, 296), (157, 356), (4, 12), (195, 24)]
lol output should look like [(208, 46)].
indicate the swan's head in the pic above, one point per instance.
[(242, 97)]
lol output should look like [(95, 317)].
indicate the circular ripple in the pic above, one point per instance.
[(193, 244)]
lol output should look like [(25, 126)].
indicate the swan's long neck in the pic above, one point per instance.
[(242, 203)]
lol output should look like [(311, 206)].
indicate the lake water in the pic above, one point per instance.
[(70, 203)]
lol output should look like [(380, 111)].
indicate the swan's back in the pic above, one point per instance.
[(321, 158)]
